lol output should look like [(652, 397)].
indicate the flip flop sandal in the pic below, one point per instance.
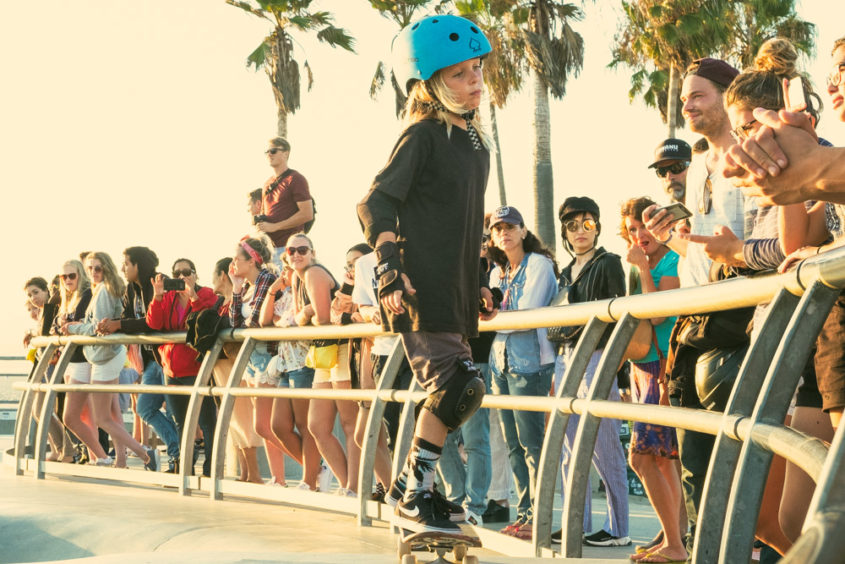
[(664, 559)]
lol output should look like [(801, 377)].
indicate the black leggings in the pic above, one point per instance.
[(178, 405)]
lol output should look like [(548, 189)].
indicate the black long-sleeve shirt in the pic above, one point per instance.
[(431, 194)]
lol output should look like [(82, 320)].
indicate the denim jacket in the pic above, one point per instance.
[(533, 285)]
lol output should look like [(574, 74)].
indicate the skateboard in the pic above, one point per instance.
[(439, 543)]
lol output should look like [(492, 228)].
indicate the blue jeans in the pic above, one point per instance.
[(469, 485), (302, 378), (149, 409), (524, 431)]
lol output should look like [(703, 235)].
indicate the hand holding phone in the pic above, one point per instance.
[(793, 95), (677, 211), (174, 284)]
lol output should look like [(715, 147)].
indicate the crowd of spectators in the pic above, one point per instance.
[(787, 212)]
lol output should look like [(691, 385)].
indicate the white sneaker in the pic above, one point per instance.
[(346, 493), (304, 487), (325, 480), (473, 518), (107, 461), (273, 483)]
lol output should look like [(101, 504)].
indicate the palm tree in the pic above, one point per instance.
[(504, 66), (554, 52), (402, 12), (275, 53), (661, 37)]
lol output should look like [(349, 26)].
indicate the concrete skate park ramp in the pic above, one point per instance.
[(61, 519)]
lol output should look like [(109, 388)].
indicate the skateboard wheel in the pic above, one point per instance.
[(410, 559), (459, 551), (470, 559)]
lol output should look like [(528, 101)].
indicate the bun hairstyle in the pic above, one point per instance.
[(260, 247), (762, 85)]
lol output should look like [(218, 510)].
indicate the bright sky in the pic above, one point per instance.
[(137, 123)]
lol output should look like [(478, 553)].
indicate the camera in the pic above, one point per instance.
[(174, 284), (256, 219)]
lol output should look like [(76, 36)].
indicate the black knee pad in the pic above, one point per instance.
[(456, 401)]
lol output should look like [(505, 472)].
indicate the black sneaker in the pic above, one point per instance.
[(420, 513), (172, 466), (379, 494), (153, 464), (603, 538), (496, 513), (557, 536), (456, 512)]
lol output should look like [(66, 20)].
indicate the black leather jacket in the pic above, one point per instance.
[(601, 278)]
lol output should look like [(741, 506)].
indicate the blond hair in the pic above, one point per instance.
[(761, 86), (112, 280), (422, 102), (71, 299)]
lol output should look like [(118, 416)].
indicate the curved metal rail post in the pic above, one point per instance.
[(46, 414), (405, 434), (714, 499), (374, 429), (822, 541), (23, 422), (772, 404), (585, 437), (192, 416), (555, 433), (224, 413)]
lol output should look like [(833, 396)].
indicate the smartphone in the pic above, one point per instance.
[(174, 284), (676, 211), (794, 95)]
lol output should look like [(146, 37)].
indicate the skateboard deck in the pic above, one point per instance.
[(439, 543)]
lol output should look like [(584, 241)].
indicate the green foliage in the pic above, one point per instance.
[(275, 54), (657, 34)]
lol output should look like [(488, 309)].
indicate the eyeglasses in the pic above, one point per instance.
[(96, 268), (741, 132), (274, 150), (184, 272), (573, 225), (706, 202), (303, 250), (835, 78), (674, 168), (69, 276)]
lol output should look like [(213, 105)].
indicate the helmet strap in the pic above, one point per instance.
[(467, 117)]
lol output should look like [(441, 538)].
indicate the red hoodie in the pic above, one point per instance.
[(178, 359)]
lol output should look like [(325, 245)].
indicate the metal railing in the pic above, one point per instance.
[(748, 434)]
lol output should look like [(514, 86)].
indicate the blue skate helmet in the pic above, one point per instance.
[(434, 43)]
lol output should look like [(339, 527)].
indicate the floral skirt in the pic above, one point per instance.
[(645, 437)]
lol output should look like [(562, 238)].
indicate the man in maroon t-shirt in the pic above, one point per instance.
[(286, 200)]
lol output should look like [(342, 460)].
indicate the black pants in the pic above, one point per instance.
[(694, 450), (178, 405)]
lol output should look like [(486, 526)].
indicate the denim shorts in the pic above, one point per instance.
[(299, 379), (256, 371)]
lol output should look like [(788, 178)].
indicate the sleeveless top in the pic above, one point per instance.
[(302, 298)]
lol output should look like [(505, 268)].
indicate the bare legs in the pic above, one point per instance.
[(663, 487), (321, 415)]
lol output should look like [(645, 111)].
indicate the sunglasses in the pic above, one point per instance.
[(96, 268), (835, 78), (573, 225), (70, 276), (183, 272), (674, 168), (706, 203), (274, 150), (303, 250), (740, 133)]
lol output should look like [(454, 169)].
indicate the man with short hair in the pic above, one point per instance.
[(286, 199), (671, 161), (718, 207)]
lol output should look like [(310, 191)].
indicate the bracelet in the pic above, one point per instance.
[(666, 242)]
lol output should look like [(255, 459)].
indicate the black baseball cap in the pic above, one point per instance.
[(715, 70), (672, 150)]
